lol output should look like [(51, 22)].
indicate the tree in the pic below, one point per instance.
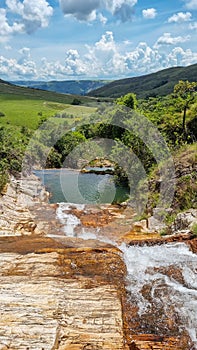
[(68, 142), (76, 102), (128, 100), (185, 91)]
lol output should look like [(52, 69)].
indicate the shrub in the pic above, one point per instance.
[(76, 102), (194, 229), (3, 180)]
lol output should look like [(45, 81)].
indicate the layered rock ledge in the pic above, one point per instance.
[(54, 297), (63, 293), (55, 293)]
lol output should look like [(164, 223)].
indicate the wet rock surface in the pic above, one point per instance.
[(61, 300), (55, 293), (59, 292)]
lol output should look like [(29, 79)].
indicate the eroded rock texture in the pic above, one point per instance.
[(59, 293), (62, 299)]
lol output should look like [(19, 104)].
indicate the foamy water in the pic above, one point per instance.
[(69, 221), (147, 266), (142, 263)]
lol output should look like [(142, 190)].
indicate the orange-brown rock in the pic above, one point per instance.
[(65, 293), (98, 217), (156, 342), (193, 244), (156, 239), (55, 296)]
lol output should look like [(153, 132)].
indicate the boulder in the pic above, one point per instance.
[(184, 221)]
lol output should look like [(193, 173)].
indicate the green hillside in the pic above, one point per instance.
[(23, 110), (13, 91), (156, 84), (25, 107), (76, 87)]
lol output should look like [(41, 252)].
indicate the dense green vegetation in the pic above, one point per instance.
[(22, 111), (73, 133), (156, 84)]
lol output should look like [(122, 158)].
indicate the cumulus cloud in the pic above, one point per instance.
[(149, 13), (191, 4), (16, 70), (74, 64), (100, 56), (32, 14), (167, 39), (180, 57), (180, 17), (104, 59), (89, 10), (122, 9), (6, 29), (81, 10)]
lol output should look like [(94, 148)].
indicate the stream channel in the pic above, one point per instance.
[(161, 279)]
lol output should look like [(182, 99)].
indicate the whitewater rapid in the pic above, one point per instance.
[(149, 266)]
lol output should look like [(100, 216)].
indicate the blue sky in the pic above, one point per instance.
[(95, 39)]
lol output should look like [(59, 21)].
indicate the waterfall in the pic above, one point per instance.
[(160, 278), (157, 267)]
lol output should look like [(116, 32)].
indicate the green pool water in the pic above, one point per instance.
[(71, 186)]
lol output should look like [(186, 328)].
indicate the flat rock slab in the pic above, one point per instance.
[(42, 311)]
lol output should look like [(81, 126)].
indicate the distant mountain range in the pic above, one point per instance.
[(156, 84), (160, 83), (74, 87)]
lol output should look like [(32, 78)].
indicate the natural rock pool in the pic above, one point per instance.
[(66, 185)]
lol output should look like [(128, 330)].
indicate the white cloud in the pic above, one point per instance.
[(180, 17), (32, 14), (167, 39), (102, 19), (89, 10), (193, 26), (191, 4), (149, 13), (53, 70), (103, 59), (122, 9), (15, 70), (179, 57), (25, 55), (73, 64), (6, 29)]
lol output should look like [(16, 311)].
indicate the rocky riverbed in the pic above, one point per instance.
[(60, 292)]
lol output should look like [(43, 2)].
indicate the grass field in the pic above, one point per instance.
[(20, 111)]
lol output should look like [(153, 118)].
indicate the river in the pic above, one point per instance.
[(161, 279)]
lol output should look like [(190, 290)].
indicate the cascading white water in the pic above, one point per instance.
[(148, 267), (68, 220)]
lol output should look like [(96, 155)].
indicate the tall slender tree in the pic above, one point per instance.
[(185, 91)]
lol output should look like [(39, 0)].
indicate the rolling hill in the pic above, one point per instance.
[(12, 91), (74, 87), (26, 107), (160, 83)]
